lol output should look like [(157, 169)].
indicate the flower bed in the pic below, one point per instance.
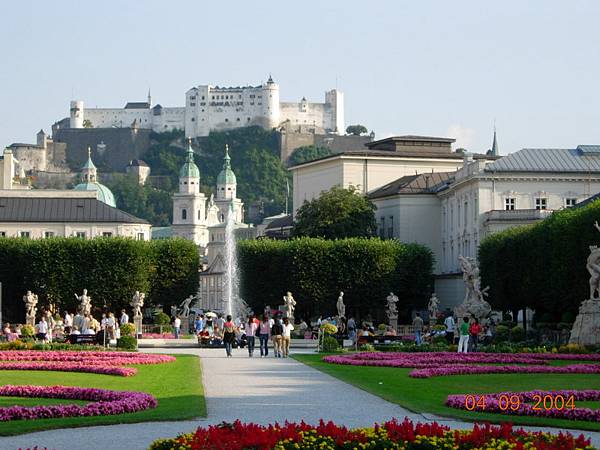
[(390, 435), (429, 364), (528, 404), (107, 363), (104, 402)]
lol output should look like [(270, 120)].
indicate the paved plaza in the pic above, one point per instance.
[(250, 389)]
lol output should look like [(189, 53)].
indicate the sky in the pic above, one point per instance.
[(437, 68)]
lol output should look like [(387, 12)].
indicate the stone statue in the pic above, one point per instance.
[(137, 302), (173, 311), (290, 304), (474, 302), (341, 308), (85, 303), (433, 306), (390, 309), (586, 329), (185, 306), (30, 300)]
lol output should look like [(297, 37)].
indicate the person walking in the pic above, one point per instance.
[(250, 328), (229, 329), (264, 336), (277, 336), (124, 318), (42, 329), (176, 327), (463, 340), (199, 324), (110, 327), (68, 323), (450, 327), (474, 330), (418, 327), (286, 337)]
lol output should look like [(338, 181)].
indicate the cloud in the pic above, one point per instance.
[(465, 137)]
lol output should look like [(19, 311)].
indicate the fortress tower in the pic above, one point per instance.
[(76, 114)]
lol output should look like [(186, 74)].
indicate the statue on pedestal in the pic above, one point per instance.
[(390, 309), (341, 308), (85, 303), (30, 300), (474, 302), (433, 308), (586, 329), (185, 306), (137, 302), (290, 305)]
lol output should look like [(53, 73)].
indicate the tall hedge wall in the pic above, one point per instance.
[(111, 269), (542, 265), (315, 270)]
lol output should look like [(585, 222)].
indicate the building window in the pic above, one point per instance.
[(192, 103), (193, 119), (382, 229), (25, 234), (80, 234), (140, 236), (183, 214), (106, 234), (570, 202), (541, 203), (391, 228), (49, 234), (466, 214), (509, 204)]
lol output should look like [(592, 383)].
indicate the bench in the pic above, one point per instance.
[(379, 340), (82, 339)]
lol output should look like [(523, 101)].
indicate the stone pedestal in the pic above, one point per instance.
[(185, 325), (137, 322), (30, 320), (586, 329), (394, 322), (284, 309)]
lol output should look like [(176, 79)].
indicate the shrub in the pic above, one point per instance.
[(573, 348), (367, 348), (27, 331), (502, 333), (127, 329), (517, 334), (127, 343), (329, 344), (162, 319)]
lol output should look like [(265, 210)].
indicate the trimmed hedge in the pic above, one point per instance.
[(316, 270), (111, 269), (541, 266)]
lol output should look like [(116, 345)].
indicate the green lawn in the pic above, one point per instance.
[(177, 386), (429, 394)]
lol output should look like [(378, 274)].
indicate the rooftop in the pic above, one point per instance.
[(410, 139), (584, 159), (79, 210), (137, 105), (424, 183)]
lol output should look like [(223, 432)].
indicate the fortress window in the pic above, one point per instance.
[(184, 214), (203, 97), (226, 120), (238, 119), (199, 214), (248, 119), (193, 119), (192, 97), (192, 103)]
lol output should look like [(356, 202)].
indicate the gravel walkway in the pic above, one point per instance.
[(250, 389)]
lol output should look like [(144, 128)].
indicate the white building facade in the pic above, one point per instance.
[(210, 108)]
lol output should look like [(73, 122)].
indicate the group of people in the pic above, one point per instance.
[(223, 330), (467, 334)]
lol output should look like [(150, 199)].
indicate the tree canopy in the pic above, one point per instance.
[(336, 214), (308, 153), (356, 130)]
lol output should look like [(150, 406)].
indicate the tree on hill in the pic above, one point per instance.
[(336, 214), (356, 130), (308, 153)]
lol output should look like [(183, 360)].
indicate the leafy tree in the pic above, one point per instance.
[(356, 130), (336, 214), (308, 153)]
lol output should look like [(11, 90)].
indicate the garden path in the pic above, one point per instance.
[(249, 389)]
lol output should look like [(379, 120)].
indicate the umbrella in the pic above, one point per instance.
[(210, 314)]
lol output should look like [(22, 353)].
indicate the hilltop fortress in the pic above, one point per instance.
[(210, 108)]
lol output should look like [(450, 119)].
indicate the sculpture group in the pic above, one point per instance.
[(474, 303)]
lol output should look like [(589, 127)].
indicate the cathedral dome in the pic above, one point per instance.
[(89, 182), (105, 195), (226, 176)]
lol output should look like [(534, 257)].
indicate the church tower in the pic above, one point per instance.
[(226, 192), (189, 215)]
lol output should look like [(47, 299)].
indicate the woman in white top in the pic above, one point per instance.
[(287, 336)]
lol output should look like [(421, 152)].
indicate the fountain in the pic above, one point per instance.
[(234, 305)]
